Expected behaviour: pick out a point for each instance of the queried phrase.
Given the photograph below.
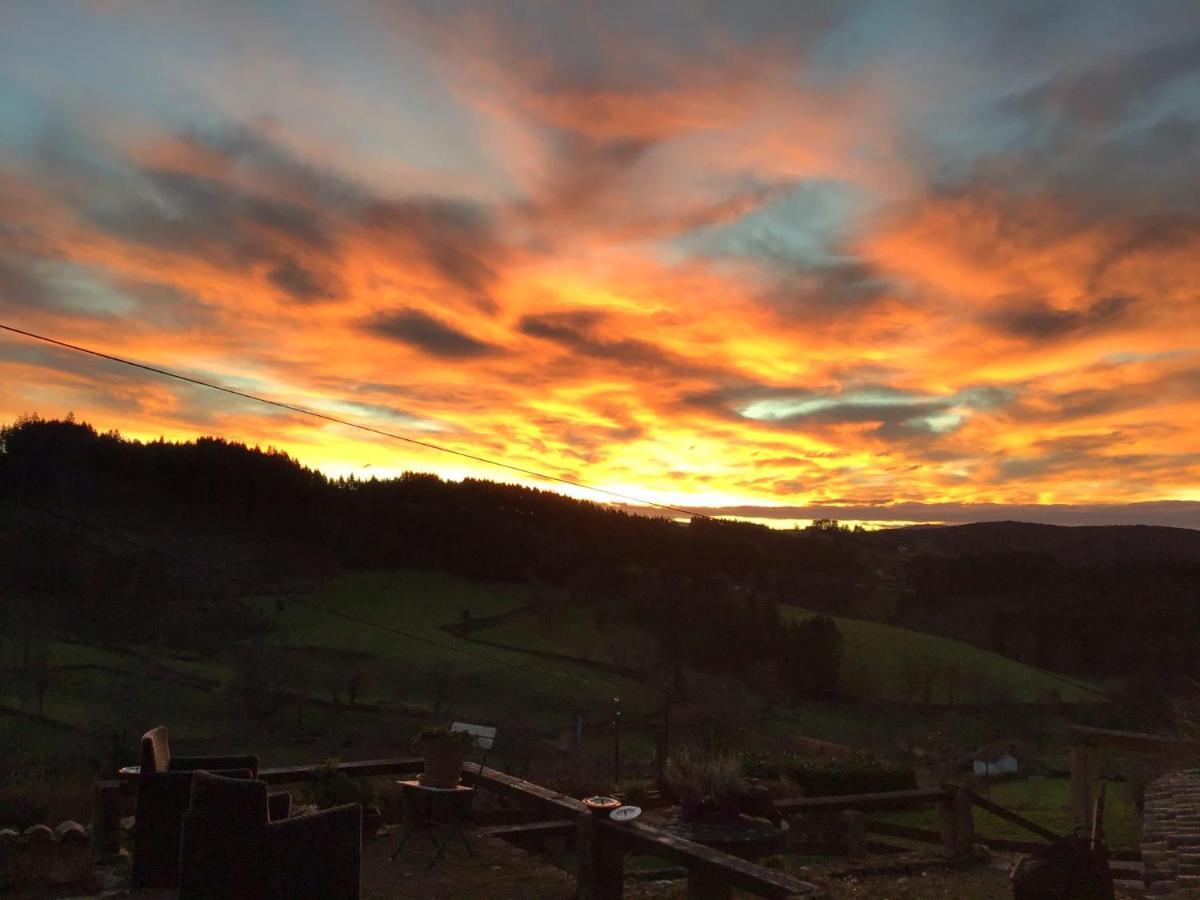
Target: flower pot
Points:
(443, 762)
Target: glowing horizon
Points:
(811, 255)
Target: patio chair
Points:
(230, 849)
(163, 792)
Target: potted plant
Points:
(444, 751)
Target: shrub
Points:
(831, 776)
(694, 776)
(330, 787)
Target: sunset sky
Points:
(858, 256)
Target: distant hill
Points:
(1118, 602)
(1085, 545)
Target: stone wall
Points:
(1171, 835)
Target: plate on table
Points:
(625, 813)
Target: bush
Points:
(330, 787)
(694, 776)
(832, 776)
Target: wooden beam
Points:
(367, 768)
(527, 790)
(1135, 741)
(1009, 816)
(715, 865)
(863, 802)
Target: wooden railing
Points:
(600, 844)
(600, 847)
(1085, 761)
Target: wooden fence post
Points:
(1085, 783)
(855, 823)
(106, 819)
(599, 862)
(958, 823)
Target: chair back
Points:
(156, 751)
(482, 736)
(239, 802)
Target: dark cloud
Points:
(828, 289)
(1106, 92)
(1096, 454)
(197, 215)
(456, 238)
(301, 284)
(585, 170)
(1039, 321)
(1182, 385)
(262, 208)
(578, 331)
(20, 286)
(417, 329)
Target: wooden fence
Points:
(1086, 744)
(601, 845)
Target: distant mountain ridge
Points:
(1080, 545)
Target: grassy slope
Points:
(484, 681)
(874, 662)
(419, 604)
(876, 656)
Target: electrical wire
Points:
(429, 445)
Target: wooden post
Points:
(958, 823)
(855, 823)
(106, 820)
(617, 742)
(1098, 818)
(599, 863)
(704, 886)
(1085, 783)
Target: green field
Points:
(390, 625)
(494, 683)
(883, 662)
(416, 671)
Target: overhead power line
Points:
(429, 445)
(158, 370)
